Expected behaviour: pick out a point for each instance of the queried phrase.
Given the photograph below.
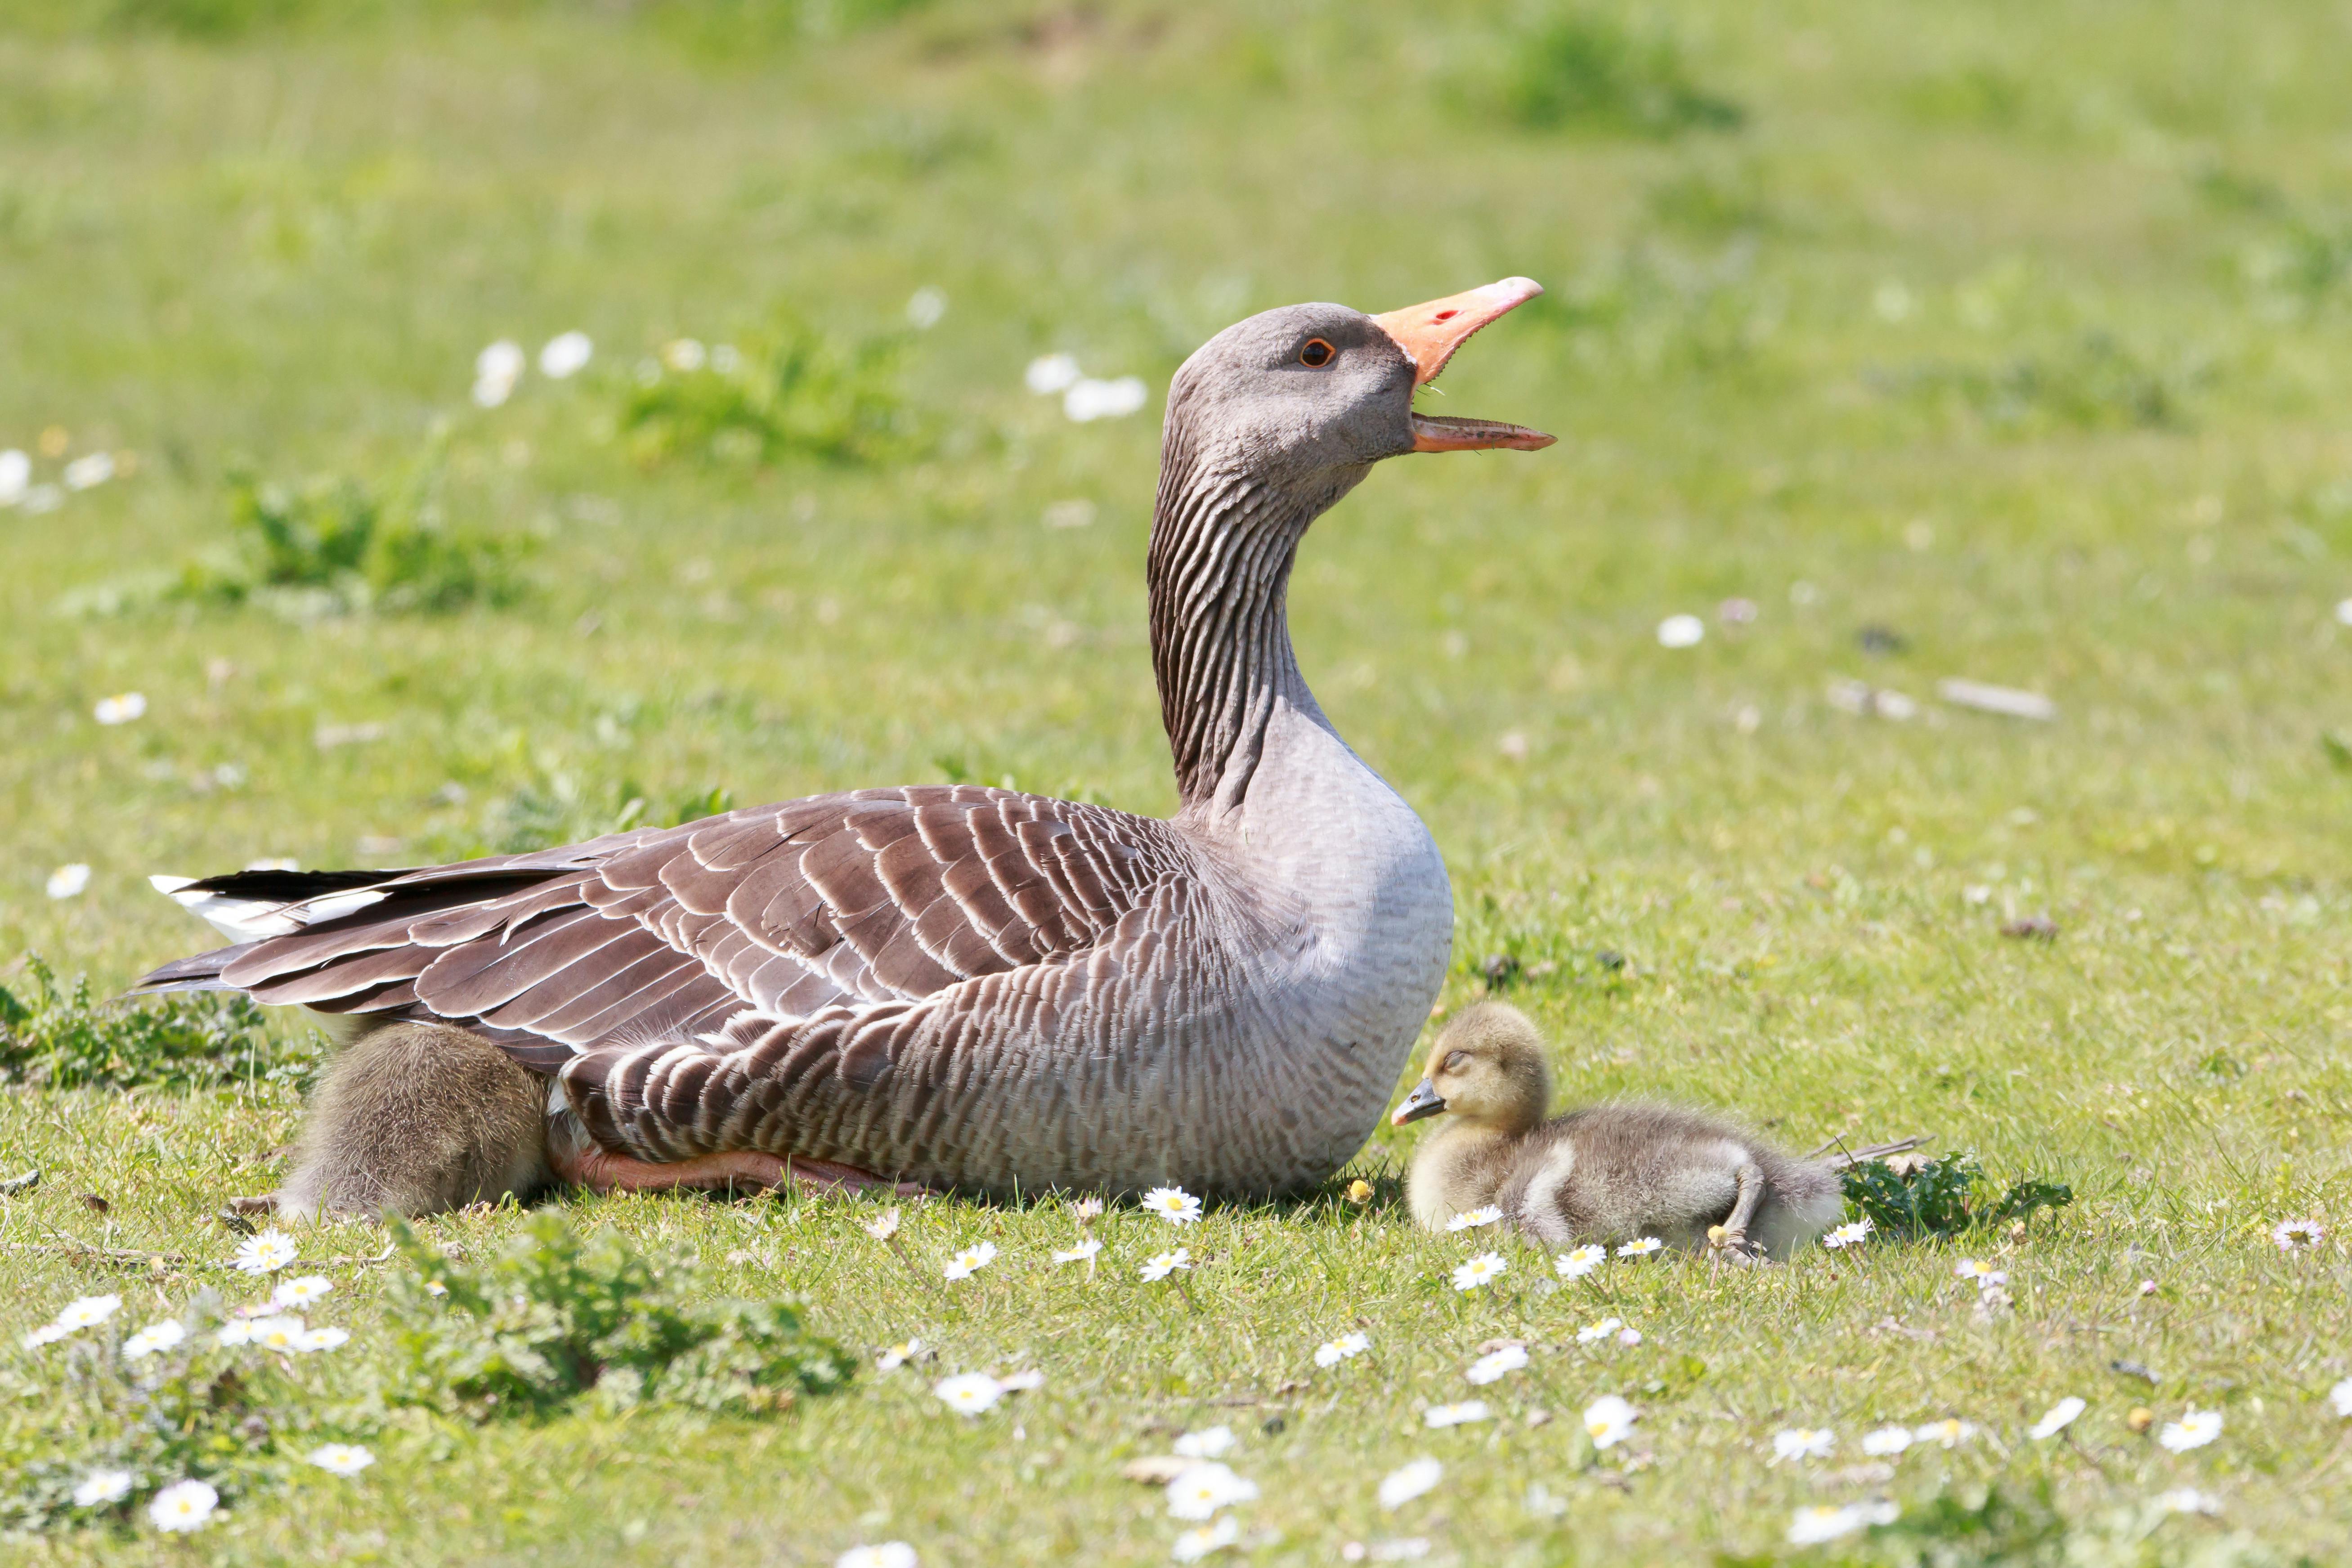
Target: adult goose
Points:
(976, 988)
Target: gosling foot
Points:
(1726, 1244)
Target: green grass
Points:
(2022, 331)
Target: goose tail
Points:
(249, 907)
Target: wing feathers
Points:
(827, 917)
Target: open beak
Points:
(1424, 1100)
(1430, 333)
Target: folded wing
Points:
(874, 896)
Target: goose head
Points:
(1305, 398)
(1486, 1067)
(1268, 423)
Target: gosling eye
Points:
(1317, 352)
(1454, 1062)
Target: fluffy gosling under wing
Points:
(1607, 1173)
(415, 1119)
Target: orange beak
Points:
(1430, 333)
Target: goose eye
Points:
(1455, 1061)
(1315, 353)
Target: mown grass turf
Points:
(2017, 333)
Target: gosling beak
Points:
(1430, 333)
(1424, 1100)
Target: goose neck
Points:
(1223, 542)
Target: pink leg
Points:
(593, 1168)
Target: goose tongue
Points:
(1430, 333)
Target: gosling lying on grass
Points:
(415, 1119)
(1608, 1173)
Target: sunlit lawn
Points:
(2001, 342)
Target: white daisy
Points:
(2193, 1430)
(278, 1335)
(1822, 1522)
(1575, 1265)
(1474, 1218)
(969, 1393)
(1642, 1249)
(2057, 1419)
(1853, 1232)
(2188, 1499)
(68, 881)
(1402, 1484)
(1173, 1205)
(1082, 1253)
(884, 1225)
(234, 1334)
(496, 369)
(1495, 1364)
(1886, 1442)
(102, 1487)
(565, 354)
(2340, 1396)
(265, 1254)
(1609, 1420)
(1681, 631)
(1197, 1543)
(970, 1260)
(1592, 1333)
(1949, 1432)
(899, 1355)
(1022, 1382)
(311, 1339)
(15, 475)
(342, 1458)
(1984, 1274)
(1210, 1443)
(46, 1334)
(1802, 1443)
(1461, 1415)
(1162, 1265)
(1629, 1337)
(88, 472)
(120, 709)
(1089, 399)
(685, 354)
(1050, 373)
(303, 1292)
(2297, 1234)
(1483, 1269)
(502, 361)
(1331, 1352)
(87, 1312)
(924, 308)
(1203, 1489)
(182, 1506)
(1086, 1210)
(889, 1555)
(155, 1337)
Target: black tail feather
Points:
(276, 887)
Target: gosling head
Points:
(1488, 1067)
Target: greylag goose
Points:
(976, 988)
(1608, 1173)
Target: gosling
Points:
(1608, 1173)
(415, 1119)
